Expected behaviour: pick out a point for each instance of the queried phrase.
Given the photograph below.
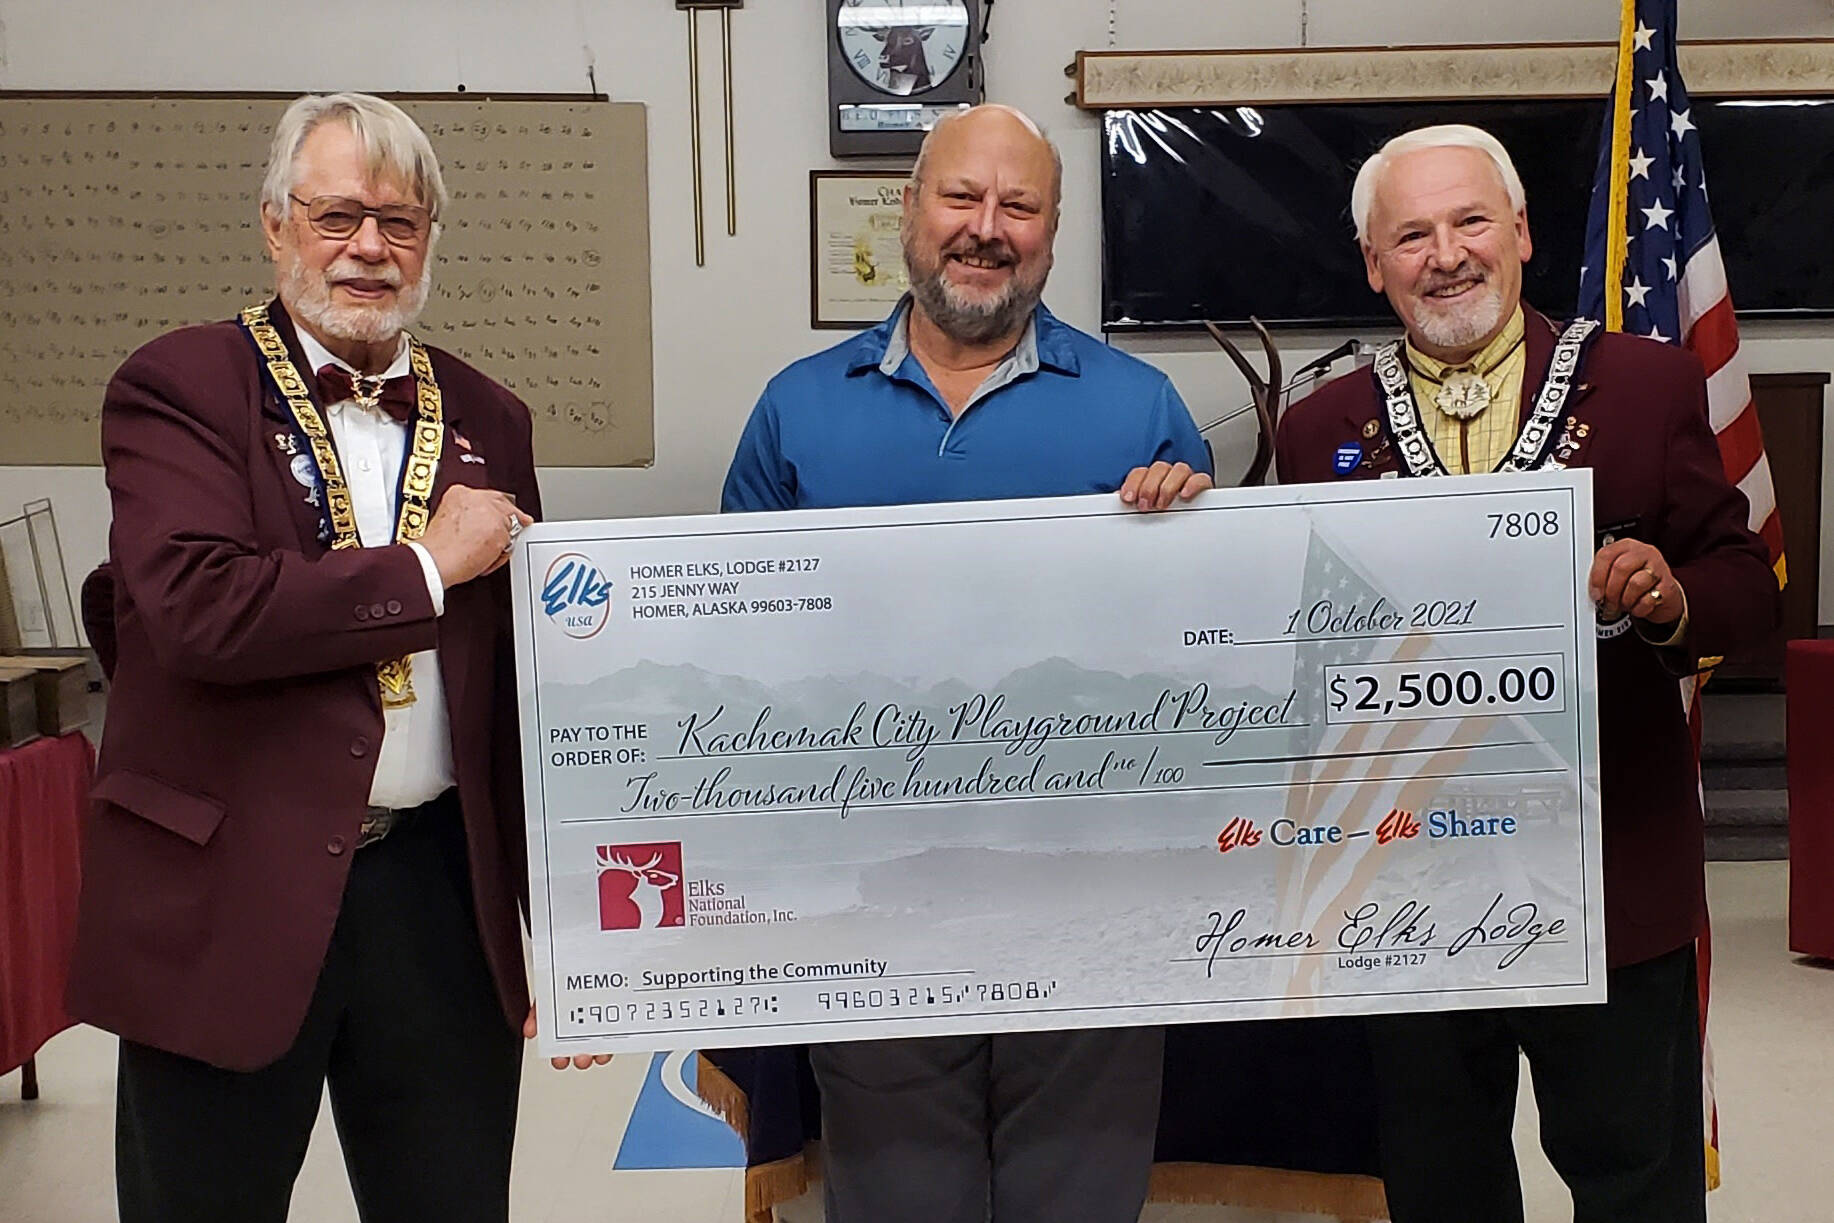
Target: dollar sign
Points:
(1338, 697)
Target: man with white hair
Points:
(973, 390)
(305, 856)
(1482, 383)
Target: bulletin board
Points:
(125, 216)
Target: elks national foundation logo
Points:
(576, 596)
(640, 886)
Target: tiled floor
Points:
(1773, 1035)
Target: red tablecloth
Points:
(44, 787)
(1810, 679)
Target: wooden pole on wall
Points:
(700, 221)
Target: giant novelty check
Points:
(981, 767)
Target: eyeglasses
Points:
(339, 217)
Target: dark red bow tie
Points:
(335, 385)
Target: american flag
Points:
(1310, 890)
(1653, 268)
(1651, 194)
(1353, 773)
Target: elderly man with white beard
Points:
(1483, 383)
(304, 863)
(973, 390)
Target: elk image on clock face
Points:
(903, 65)
(901, 48)
(897, 67)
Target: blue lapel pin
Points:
(1347, 457)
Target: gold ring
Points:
(1655, 596)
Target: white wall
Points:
(721, 331)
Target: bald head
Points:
(992, 131)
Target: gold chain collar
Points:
(394, 676)
(1415, 449)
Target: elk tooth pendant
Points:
(1463, 395)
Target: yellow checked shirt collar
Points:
(1474, 442)
(1487, 362)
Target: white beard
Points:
(308, 297)
(1463, 325)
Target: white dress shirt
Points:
(415, 760)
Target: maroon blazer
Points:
(244, 718)
(1658, 473)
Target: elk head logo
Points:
(640, 886)
(904, 60)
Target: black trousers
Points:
(406, 1029)
(1617, 1086)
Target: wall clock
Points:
(895, 67)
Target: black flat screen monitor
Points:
(1224, 213)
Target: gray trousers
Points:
(1030, 1127)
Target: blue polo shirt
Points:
(862, 424)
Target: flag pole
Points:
(1617, 240)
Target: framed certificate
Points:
(856, 262)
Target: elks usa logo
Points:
(640, 886)
(576, 596)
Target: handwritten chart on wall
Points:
(123, 217)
